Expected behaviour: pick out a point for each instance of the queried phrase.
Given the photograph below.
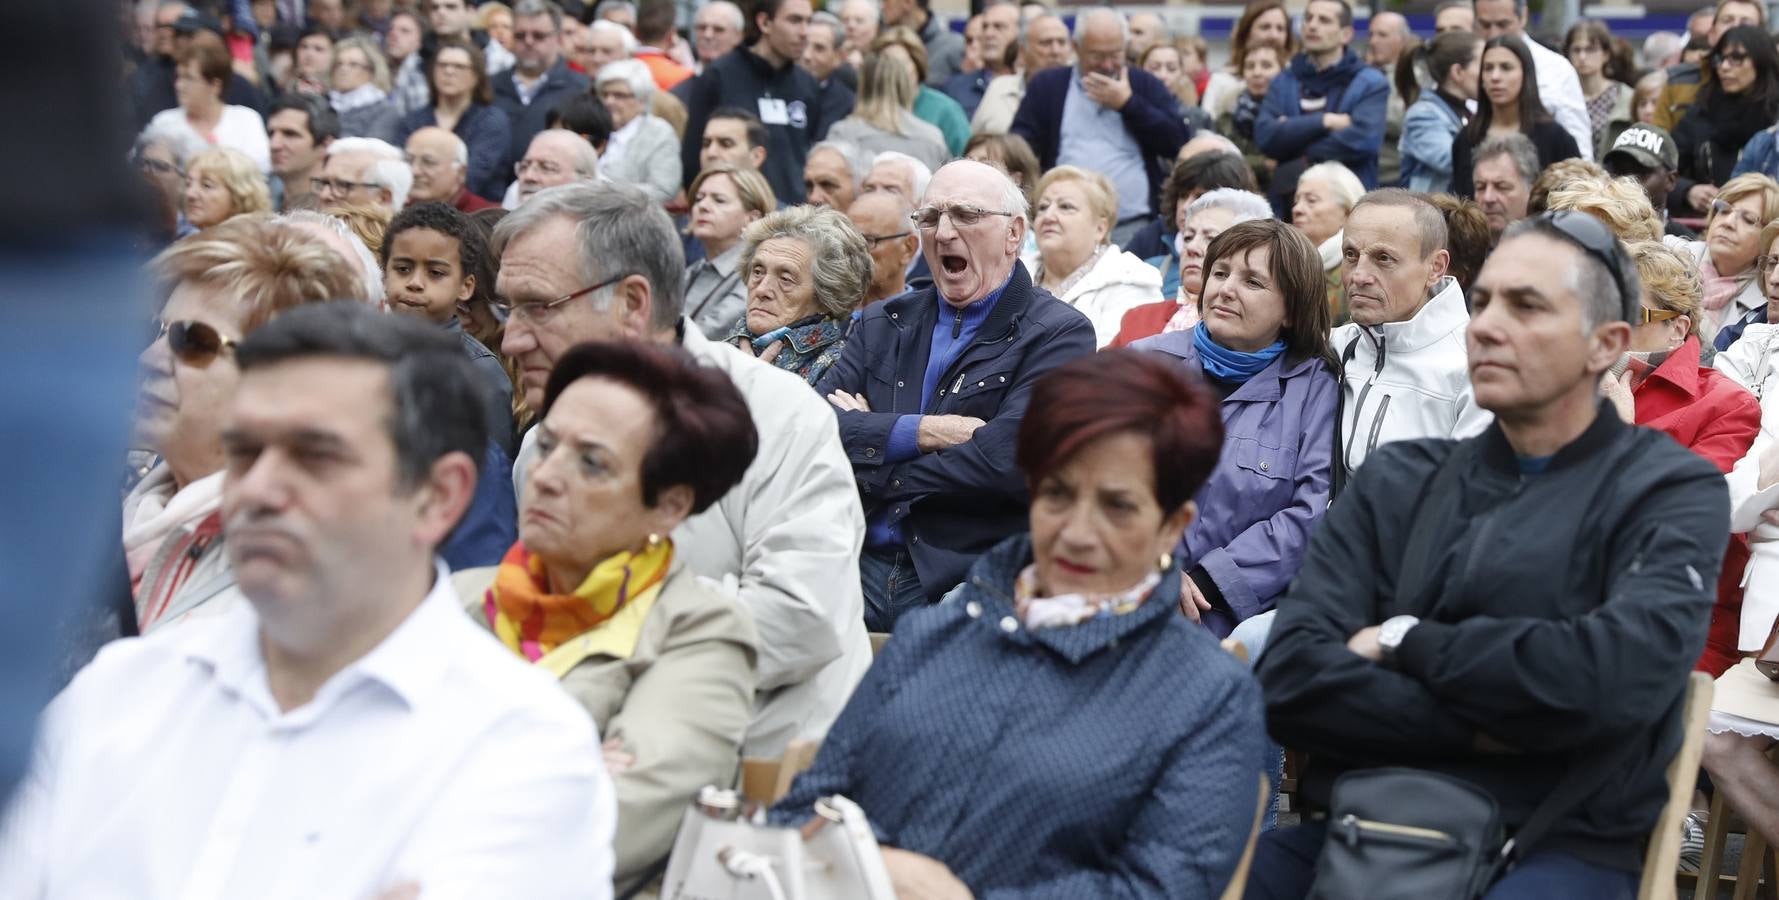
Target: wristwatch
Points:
(1391, 633)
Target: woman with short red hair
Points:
(1057, 729)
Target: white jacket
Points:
(785, 541)
(1753, 361)
(1118, 281)
(1406, 380)
(1560, 90)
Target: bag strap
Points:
(1338, 478)
(1587, 774)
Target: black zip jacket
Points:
(742, 78)
(1560, 615)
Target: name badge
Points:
(773, 112)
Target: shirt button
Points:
(1009, 624)
(973, 609)
(898, 384)
(895, 482)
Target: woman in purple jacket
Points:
(1262, 345)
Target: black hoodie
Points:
(743, 79)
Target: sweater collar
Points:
(1607, 427)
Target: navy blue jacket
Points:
(952, 505)
(491, 524)
(1117, 758)
(1149, 116)
(1284, 132)
(526, 121)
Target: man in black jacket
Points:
(932, 387)
(540, 78)
(762, 76)
(1542, 624)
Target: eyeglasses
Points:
(535, 37)
(540, 312)
(1646, 315)
(338, 186)
(878, 239)
(543, 167)
(159, 167)
(963, 215)
(1723, 208)
(193, 343)
(1732, 58)
(1765, 264)
(1590, 235)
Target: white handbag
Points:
(725, 852)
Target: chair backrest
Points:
(1239, 881)
(878, 639)
(765, 781)
(1663, 854)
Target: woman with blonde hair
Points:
(1619, 202)
(366, 221)
(726, 199)
(220, 184)
(931, 106)
(360, 79)
(1076, 259)
(1728, 254)
(883, 119)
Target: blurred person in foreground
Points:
(348, 715)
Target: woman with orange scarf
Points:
(633, 440)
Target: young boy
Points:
(431, 253)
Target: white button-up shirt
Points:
(167, 770)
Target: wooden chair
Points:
(1663, 853)
(1757, 856)
(878, 639)
(1239, 881)
(765, 781)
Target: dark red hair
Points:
(1118, 391)
(704, 435)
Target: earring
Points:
(654, 539)
(1165, 563)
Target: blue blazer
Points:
(1149, 116)
(952, 505)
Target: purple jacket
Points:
(1270, 487)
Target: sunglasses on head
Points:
(193, 343)
(1592, 237)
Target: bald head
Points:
(1387, 34)
(556, 156)
(440, 161)
(882, 217)
(971, 259)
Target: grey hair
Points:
(175, 136)
(586, 159)
(529, 9)
(1013, 199)
(1246, 206)
(841, 260)
(616, 225)
(388, 169)
(1429, 221)
(739, 17)
(372, 55)
(922, 174)
(1081, 22)
(1591, 281)
(831, 22)
(856, 161)
(1346, 186)
(633, 72)
(875, 5)
(600, 10)
(1516, 147)
(630, 44)
(371, 271)
(1213, 139)
(1660, 46)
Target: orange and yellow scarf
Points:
(532, 622)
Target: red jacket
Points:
(1716, 418)
(1144, 321)
(469, 203)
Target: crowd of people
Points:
(549, 402)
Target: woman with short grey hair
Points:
(360, 95)
(806, 269)
(643, 148)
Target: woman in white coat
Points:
(1076, 260)
(1753, 362)
(643, 149)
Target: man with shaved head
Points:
(556, 156)
(440, 161)
(1105, 116)
(882, 218)
(931, 442)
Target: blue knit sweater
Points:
(1116, 758)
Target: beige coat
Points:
(679, 702)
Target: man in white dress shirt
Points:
(348, 732)
(1558, 85)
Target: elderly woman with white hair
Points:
(360, 79)
(1202, 220)
(643, 148)
(806, 269)
(1326, 193)
(1076, 260)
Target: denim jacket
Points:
(1270, 487)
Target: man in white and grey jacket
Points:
(1403, 355)
(785, 540)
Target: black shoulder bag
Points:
(1410, 834)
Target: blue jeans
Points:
(1285, 868)
(892, 587)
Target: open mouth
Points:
(953, 265)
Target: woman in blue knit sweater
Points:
(1058, 729)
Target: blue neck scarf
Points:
(1228, 365)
